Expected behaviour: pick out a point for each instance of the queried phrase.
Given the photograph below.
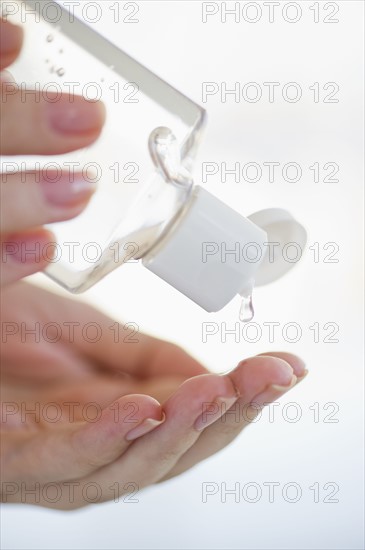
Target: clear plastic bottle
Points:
(146, 205)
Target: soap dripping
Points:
(247, 312)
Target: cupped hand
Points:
(42, 124)
(114, 411)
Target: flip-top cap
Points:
(214, 253)
(286, 239)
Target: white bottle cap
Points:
(286, 238)
(214, 253)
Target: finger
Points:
(160, 387)
(153, 455)
(145, 358)
(122, 347)
(103, 390)
(53, 197)
(23, 254)
(108, 388)
(259, 381)
(33, 352)
(33, 122)
(11, 38)
(294, 361)
(30, 354)
(77, 449)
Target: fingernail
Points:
(32, 247)
(270, 393)
(300, 378)
(144, 427)
(75, 115)
(212, 411)
(67, 190)
(10, 38)
(6, 78)
(278, 387)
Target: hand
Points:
(38, 125)
(74, 460)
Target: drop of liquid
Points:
(61, 72)
(246, 310)
(50, 38)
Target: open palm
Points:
(111, 413)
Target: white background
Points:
(171, 39)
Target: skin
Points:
(190, 409)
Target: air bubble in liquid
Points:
(165, 153)
(60, 72)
